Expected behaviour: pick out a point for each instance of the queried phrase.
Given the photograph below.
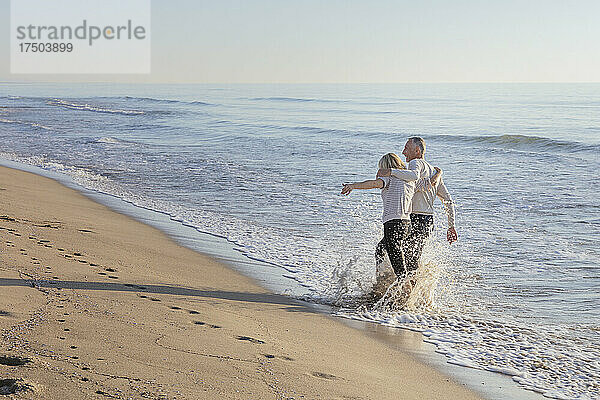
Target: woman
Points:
(397, 193)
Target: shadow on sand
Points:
(264, 298)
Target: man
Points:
(422, 204)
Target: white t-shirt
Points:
(422, 201)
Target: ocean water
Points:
(262, 165)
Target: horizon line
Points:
(293, 83)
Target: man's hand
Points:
(347, 188)
(384, 172)
(452, 236)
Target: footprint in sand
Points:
(323, 375)
(209, 325)
(249, 339)
(111, 270)
(149, 298)
(12, 386)
(282, 357)
(131, 285)
(55, 226)
(13, 361)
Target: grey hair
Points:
(419, 142)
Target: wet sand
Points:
(97, 305)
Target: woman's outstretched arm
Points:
(369, 184)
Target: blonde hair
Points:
(391, 161)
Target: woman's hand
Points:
(347, 188)
(368, 184)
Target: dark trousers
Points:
(395, 233)
(421, 228)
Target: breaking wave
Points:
(92, 108)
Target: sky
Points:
(308, 41)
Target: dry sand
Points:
(96, 305)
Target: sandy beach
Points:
(97, 305)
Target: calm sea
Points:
(262, 165)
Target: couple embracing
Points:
(408, 195)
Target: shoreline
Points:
(97, 303)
